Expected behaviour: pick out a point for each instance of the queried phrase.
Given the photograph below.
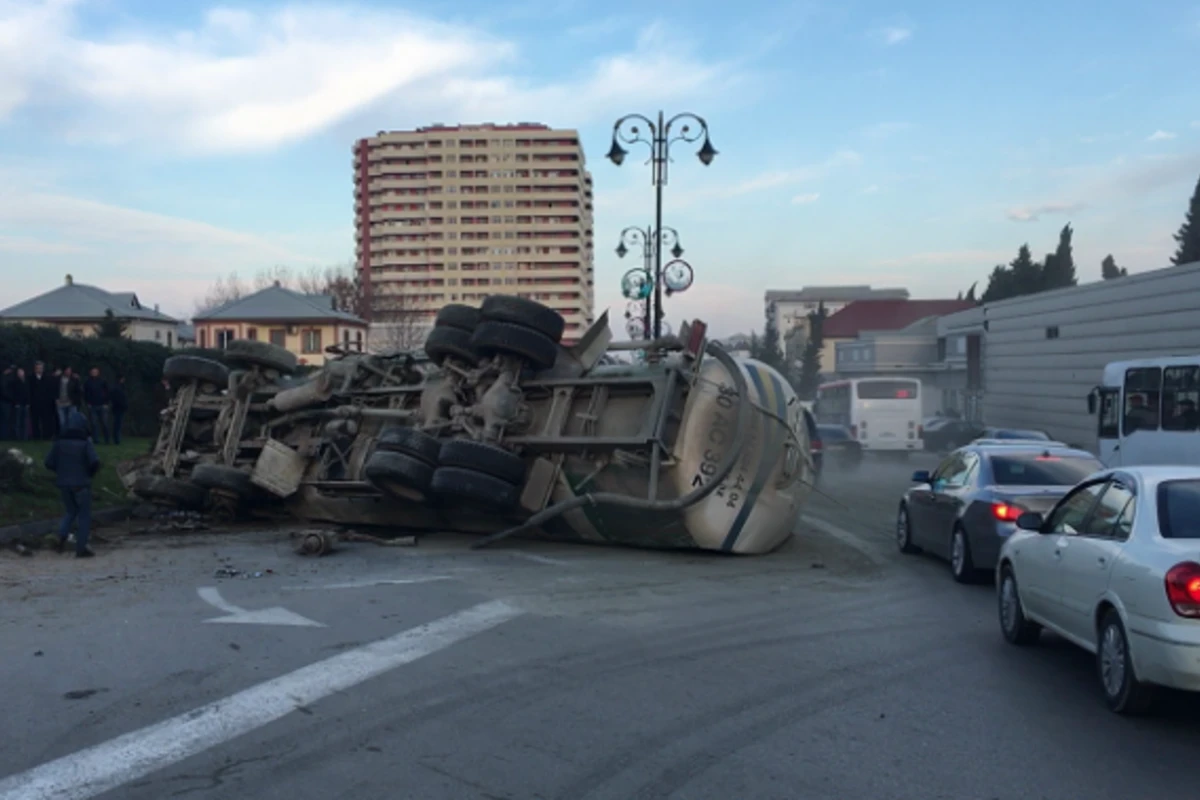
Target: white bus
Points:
(1148, 412)
(883, 414)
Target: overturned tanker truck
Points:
(496, 428)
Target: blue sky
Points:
(153, 146)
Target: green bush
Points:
(140, 362)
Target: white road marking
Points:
(845, 537)
(241, 616)
(363, 584)
(558, 562)
(127, 758)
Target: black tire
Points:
(524, 312)
(964, 571)
(385, 469)
(410, 442)
(904, 532)
(1129, 695)
(1017, 629)
(162, 489)
(446, 342)
(475, 487)
(261, 354)
(481, 457)
(505, 337)
(196, 368)
(223, 478)
(457, 315)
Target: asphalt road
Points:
(836, 668)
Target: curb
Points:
(40, 527)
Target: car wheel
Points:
(196, 368)
(527, 313)
(161, 489)
(1016, 628)
(251, 352)
(539, 351)
(1123, 692)
(409, 441)
(962, 566)
(445, 342)
(904, 532)
(385, 470)
(457, 315)
(482, 457)
(223, 478)
(478, 488)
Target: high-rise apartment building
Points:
(447, 214)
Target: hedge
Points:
(140, 362)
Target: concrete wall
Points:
(1042, 354)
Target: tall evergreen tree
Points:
(971, 293)
(1059, 268)
(110, 327)
(1110, 270)
(810, 362)
(772, 351)
(1188, 237)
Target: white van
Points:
(1147, 412)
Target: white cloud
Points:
(805, 199)
(1160, 136)
(944, 258)
(30, 245)
(872, 189)
(1034, 213)
(1196, 123)
(894, 34)
(249, 80)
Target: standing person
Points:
(41, 402)
(20, 391)
(118, 401)
(67, 396)
(74, 462)
(6, 401)
(95, 395)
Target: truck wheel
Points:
(524, 312)
(410, 442)
(477, 488)
(450, 342)
(482, 457)
(223, 478)
(385, 469)
(261, 354)
(457, 315)
(195, 368)
(517, 340)
(162, 489)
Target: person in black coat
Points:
(7, 396)
(20, 395)
(74, 462)
(42, 392)
(95, 395)
(118, 403)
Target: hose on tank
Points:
(740, 427)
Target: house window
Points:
(224, 337)
(170, 339)
(358, 340)
(158, 336)
(252, 334)
(77, 333)
(278, 337)
(203, 338)
(310, 340)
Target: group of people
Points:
(37, 404)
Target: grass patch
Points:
(40, 500)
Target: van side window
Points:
(1110, 413)
(1181, 395)
(1143, 392)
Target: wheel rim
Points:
(1112, 660)
(902, 527)
(1009, 604)
(958, 551)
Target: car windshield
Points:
(1030, 469)
(833, 432)
(1179, 509)
(1012, 433)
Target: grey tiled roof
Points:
(276, 303)
(78, 301)
(813, 294)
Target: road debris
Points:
(316, 543)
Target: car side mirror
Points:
(1092, 403)
(921, 476)
(1030, 521)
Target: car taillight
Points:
(1183, 588)
(1005, 512)
(817, 445)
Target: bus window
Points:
(1142, 397)
(1181, 393)
(1110, 413)
(887, 390)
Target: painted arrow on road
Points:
(241, 616)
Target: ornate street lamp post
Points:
(638, 284)
(662, 134)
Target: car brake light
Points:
(817, 445)
(1183, 588)
(1005, 512)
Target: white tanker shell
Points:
(756, 507)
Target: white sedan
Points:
(1115, 568)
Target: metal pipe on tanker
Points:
(741, 387)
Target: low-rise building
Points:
(789, 308)
(304, 324)
(77, 309)
(874, 318)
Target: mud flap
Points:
(279, 469)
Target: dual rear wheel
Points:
(502, 325)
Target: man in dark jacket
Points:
(118, 402)
(67, 395)
(20, 394)
(42, 391)
(74, 462)
(7, 398)
(95, 395)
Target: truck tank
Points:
(752, 510)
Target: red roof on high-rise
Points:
(886, 315)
